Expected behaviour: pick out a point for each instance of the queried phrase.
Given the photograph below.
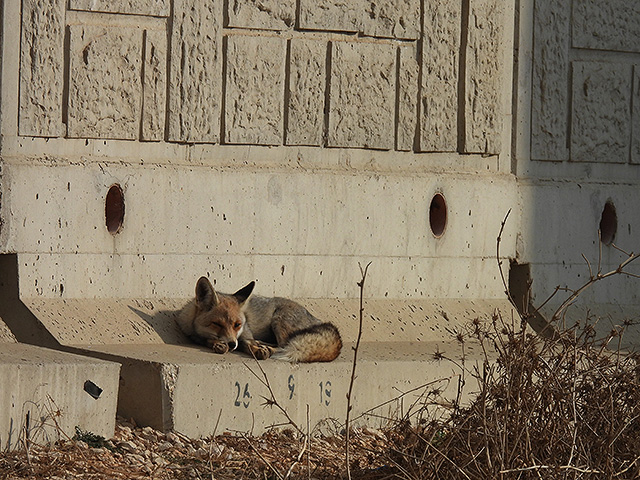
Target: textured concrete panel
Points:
(407, 97)
(387, 18)
(154, 86)
(601, 116)
(391, 18)
(483, 77)
(440, 65)
(362, 95)
(307, 82)
(635, 117)
(333, 15)
(550, 91)
(254, 96)
(156, 8)
(262, 14)
(606, 25)
(195, 88)
(104, 82)
(41, 68)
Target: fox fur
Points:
(260, 326)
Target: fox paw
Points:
(260, 351)
(220, 347)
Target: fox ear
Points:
(206, 296)
(242, 294)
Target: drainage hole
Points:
(114, 209)
(608, 223)
(438, 215)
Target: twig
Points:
(353, 369)
(273, 402)
(261, 457)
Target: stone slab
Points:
(606, 25)
(440, 72)
(52, 393)
(483, 78)
(408, 79)
(254, 95)
(550, 89)
(195, 87)
(307, 85)
(362, 95)
(601, 112)
(194, 391)
(41, 68)
(154, 85)
(5, 334)
(156, 8)
(261, 14)
(105, 92)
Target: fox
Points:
(262, 327)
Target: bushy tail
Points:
(318, 343)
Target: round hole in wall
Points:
(114, 209)
(438, 215)
(608, 223)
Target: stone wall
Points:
(399, 75)
(585, 83)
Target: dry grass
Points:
(547, 409)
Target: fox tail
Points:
(318, 343)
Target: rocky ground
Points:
(143, 453)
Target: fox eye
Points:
(237, 325)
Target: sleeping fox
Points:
(255, 324)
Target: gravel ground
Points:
(142, 453)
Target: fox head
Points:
(220, 318)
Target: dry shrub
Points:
(567, 407)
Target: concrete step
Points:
(168, 383)
(45, 394)
(196, 392)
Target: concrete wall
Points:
(577, 138)
(277, 141)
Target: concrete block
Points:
(601, 112)
(362, 95)
(606, 25)
(41, 68)
(408, 79)
(193, 391)
(52, 393)
(483, 78)
(440, 65)
(156, 8)
(550, 89)
(5, 334)
(391, 19)
(307, 84)
(195, 87)
(254, 95)
(105, 94)
(332, 15)
(154, 85)
(265, 15)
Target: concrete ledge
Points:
(196, 392)
(45, 394)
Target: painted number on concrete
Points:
(325, 392)
(243, 397)
(292, 386)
